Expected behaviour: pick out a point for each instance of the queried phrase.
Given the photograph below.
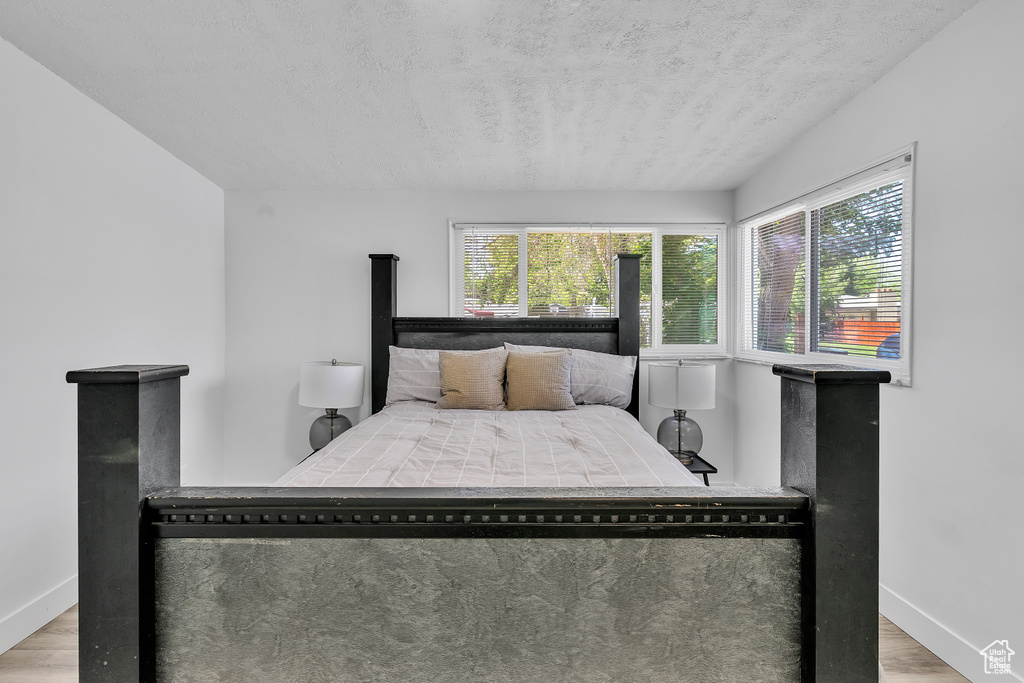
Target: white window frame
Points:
(719, 230)
(898, 165)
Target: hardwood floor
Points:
(907, 661)
(50, 655)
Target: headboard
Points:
(619, 335)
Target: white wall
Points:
(298, 289)
(111, 251)
(952, 471)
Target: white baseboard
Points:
(19, 625)
(946, 645)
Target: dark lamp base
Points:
(681, 436)
(326, 428)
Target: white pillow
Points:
(413, 375)
(596, 378)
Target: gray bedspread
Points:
(415, 444)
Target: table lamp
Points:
(330, 385)
(681, 387)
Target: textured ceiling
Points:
(473, 94)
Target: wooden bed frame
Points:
(464, 585)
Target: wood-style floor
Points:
(904, 659)
(50, 655)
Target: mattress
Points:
(414, 444)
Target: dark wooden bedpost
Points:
(383, 309)
(627, 309)
(128, 447)
(830, 453)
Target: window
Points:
(558, 270)
(826, 276)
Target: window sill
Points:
(682, 355)
(900, 378)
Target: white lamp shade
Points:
(689, 386)
(325, 385)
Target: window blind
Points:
(689, 289)
(858, 242)
(573, 272)
(777, 296)
(490, 274)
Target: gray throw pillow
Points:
(413, 375)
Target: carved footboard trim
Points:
(436, 513)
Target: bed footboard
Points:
(686, 584)
(658, 596)
(471, 610)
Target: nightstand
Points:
(702, 466)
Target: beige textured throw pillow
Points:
(539, 381)
(597, 378)
(473, 380)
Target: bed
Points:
(415, 444)
(501, 575)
